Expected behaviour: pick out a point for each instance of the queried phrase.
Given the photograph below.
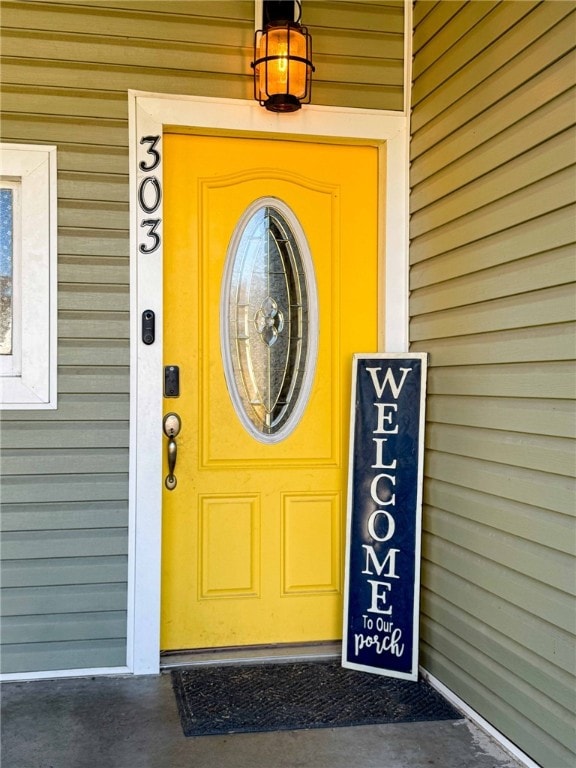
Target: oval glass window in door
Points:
(269, 320)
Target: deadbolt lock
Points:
(172, 425)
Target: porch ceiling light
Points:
(282, 63)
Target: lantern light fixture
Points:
(282, 59)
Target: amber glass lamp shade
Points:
(282, 66)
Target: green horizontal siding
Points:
(77, 626)
(504, 481)
(495, 614)
(493, 192)
(541, 453)
(101, 325)
(552, 531)
(80, 407)
(545, 675)
(79, 654)
(80, 460)
(546, 417)
(549, 305)
(64, 487)
(535, 236)
(540, 163)
(65, 517)
(41, 572)
(66, 67)
(80, 598)
(358, 53)
(549, 194)
(48, 544)
(545, 343)
(513, 52)
(555, 267)
(117, 20)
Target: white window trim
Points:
(32, 383)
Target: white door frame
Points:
(150, 114)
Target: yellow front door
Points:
(252, 547)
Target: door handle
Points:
(171, 426)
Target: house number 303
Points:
(150, 194)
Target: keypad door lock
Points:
(171, 381)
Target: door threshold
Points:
(251, 654)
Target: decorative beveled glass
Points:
(269, 320)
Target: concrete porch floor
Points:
(133, 723)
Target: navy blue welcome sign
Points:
(382, 590)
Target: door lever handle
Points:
(171, 426)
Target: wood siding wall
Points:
(493, 302)
(66, 68)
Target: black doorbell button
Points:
(148, 331)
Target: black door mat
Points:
(289, 696)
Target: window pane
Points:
(267, 313)
(6, 269)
